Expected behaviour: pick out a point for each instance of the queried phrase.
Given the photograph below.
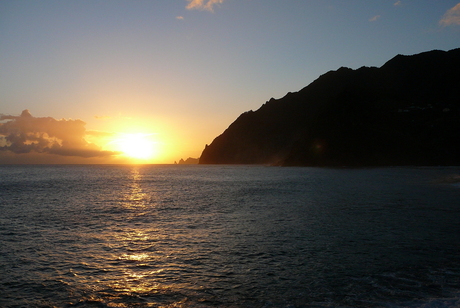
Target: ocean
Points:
(229, 236)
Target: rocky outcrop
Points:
(406, 112)
(188, 161)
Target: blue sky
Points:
(183, 70)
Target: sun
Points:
(137, 146)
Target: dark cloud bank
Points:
(29, 134)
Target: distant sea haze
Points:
(228, 236)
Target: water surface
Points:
(229, 236)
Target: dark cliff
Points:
(406, 112)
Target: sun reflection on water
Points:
(140, 264)
(134, 257)
(135, 196)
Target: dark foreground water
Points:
(229, 236)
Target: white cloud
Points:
(397, 3)
(451, 17)
(203, 4)
(180, 17)
(374, 18)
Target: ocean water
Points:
(229, 236)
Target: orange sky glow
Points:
(37, 140)
(151, 82)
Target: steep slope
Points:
(405, 113)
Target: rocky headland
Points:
(406, 112)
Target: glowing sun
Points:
(137, 146)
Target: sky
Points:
(154, 81)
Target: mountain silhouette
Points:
(406, 112)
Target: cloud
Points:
(451, 17)
(97, 133)
(180, 17)
(203, 4)
(374, 18)
(397, 3)
(98, 117)
(28, 134)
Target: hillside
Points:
(406, 112)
